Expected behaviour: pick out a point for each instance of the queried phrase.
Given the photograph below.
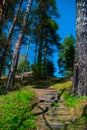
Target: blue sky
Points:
(67, 22)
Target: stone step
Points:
(43, 99)
(49, 90)
(57, 113)
(59, 119)
(46, 104)
(57, 126)
(50, 93)
(58, 108)
(54, 126)
(61, 101)
(62, 126)
(50, 96)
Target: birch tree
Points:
(16, 52)
(8, 42)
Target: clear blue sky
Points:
(67, 22)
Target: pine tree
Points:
(66, 56)
(45, 32)
(80, 65)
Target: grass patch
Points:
(71, 101)
(63, 87)
(15, 110)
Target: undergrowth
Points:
(15, 110)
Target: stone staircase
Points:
(53, 113)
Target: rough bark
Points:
(1, 14)
(80, 65)
(15, 57)
(1, 10)
(8, 42)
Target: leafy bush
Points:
(38, 71)
(15, 111)
(42, 71)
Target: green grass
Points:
(60, 86)
(72, 101)
(15, 110)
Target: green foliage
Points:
(49, 68)
(66, 56)
(15, 111)
(23, 65)
(9, 53)
(42, 71)
(38, 71)
(45, 29)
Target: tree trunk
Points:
(40, 54)
(13, 67)
(36, 50)
(80, 65)
(1, 14)
(8, 42)
(40, 49)
(45, 53)
(22, 74)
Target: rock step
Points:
(60, 108)
(45, 104)
(50, 93)
(54, 125)
(66, 126)
(59, 118)
(61, 101)
(47, 96)
(43, 99)
(49, 90)
(57, 113)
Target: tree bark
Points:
(40, 53)
(8, 42)
(13, 67)
(80, 65)
(1, 14)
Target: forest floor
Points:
(54, 108)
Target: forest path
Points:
(52, 112)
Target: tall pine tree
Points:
(80, 65)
